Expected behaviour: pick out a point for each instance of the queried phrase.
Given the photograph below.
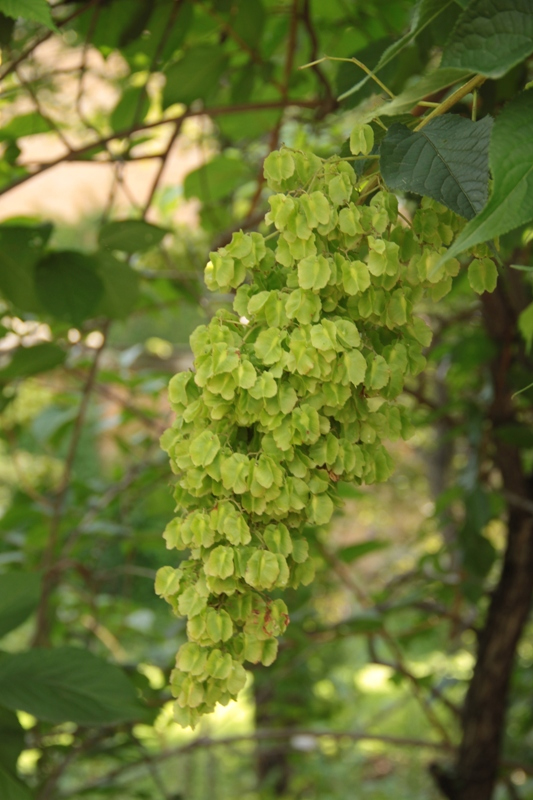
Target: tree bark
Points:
(483, 723)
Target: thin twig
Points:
(163, 162)
(49, 573)
(308, 24)
(216, 111)
(265, 735)
(359, 64)
(11, 67)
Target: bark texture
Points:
(483, 723)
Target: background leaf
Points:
(32, 360)
(67, 684)
(35, 10)
(491, 36)
(130, 235)
(11, 788)
(121, 287)
(447, 160)
(24, 125)
(216, 179)
(68, 285)
(425, 13)
(196, 75)
(19, 595)
(418, 90)
(21, 247)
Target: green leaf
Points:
(426, 12)
(34, 10)
(320, 509)
(490, 37)
(216, 180)
(11, 788)
(195, 76)
(525, 325)
(425, 86)
(21, 246)
(278, 166)
(11, 740)
(204, 448)
(130, 109)
(355, 551)
(220, 562)
(313, 273)
(355, 276)
(67, 684)
(356, 366)
(482, 275)
(121, 287)
(447, 160)
(268, 345)
(361, 140)
(24, 125)
(367, 622)
(130, 235)
(68, 285)
(249, 21)
(19, 596)
(262, 570)
(27, 361)
(511, 163)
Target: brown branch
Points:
(163, 162)
(105, 391)
(264, 735)
(26, 84)
(365, 600)
(49, 572)
(273, 141)
(11, 67)
(331, 102)
(216, 111)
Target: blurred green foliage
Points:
(95, 318)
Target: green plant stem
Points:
(454, 98)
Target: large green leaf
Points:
(130, 235)
(19, 595)
(11, 788)
(491, 36)
(196, 76)
(426, 12)
(130, 109)
(121, 287)
(20, 248)
(216, 179)
(11, 740)
(511, 163)
(35, 10)
(67, 684)
(425, 86)
(27, 361)
(355, 551)
(68, 285)
(447, 160)
(249, 21)
(24, 125)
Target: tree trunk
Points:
(475, 773)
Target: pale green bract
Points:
(292, 392)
